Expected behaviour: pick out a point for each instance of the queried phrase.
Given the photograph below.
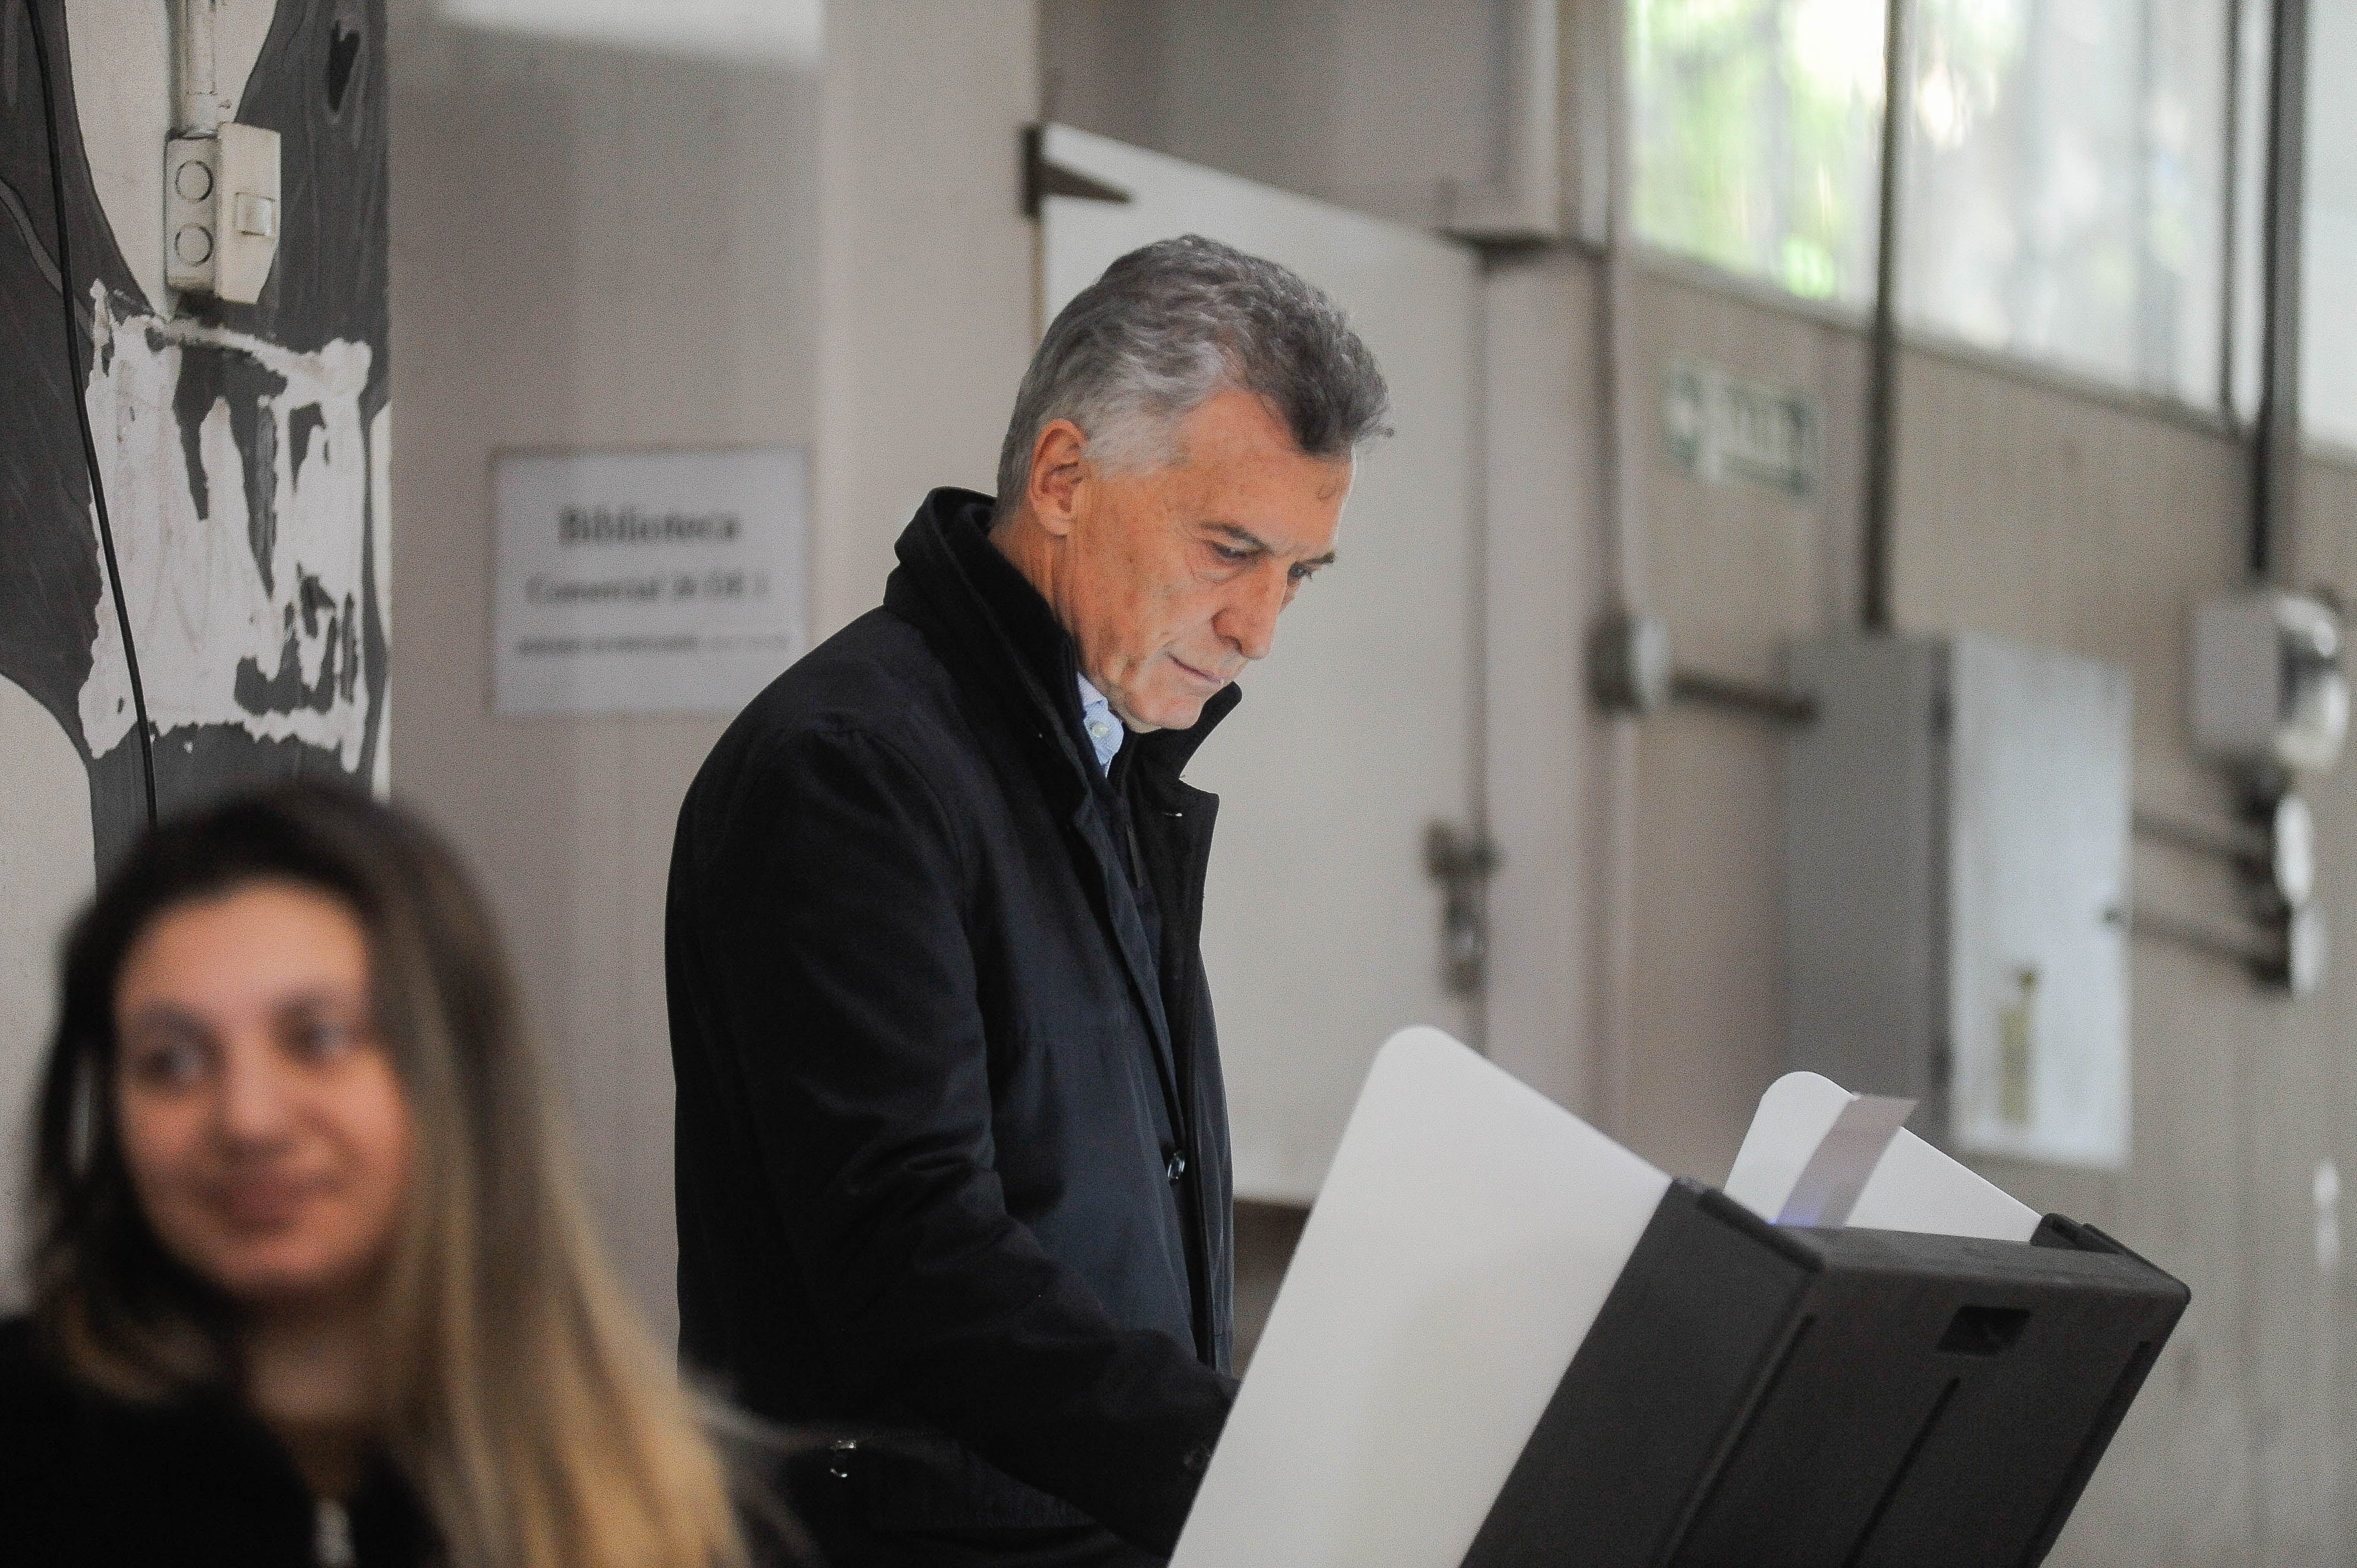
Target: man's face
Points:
(1172, 577)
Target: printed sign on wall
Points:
(648, 582)
(1723, 428)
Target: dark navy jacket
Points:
(953, 1149)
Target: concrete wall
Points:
(927, 310)
(2031, 510)
(600, 247)
(2095, 528)
(1394, 107)
(1544, 752)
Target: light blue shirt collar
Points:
(1106, 730)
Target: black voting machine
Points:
(1779, 1397)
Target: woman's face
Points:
(266, 1131)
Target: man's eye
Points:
(1230, 555)
(1301, 574)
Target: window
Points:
(2328, 376)
(2063, 191)
(2065, 184)
(1755, 129)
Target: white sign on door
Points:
(648, 582)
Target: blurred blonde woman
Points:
(311, 1283)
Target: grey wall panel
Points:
(44, 873)
(241, 447)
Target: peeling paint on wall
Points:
(246, 466)
(242, 447)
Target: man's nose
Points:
(1248, 622)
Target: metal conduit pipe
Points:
(1882, 377)
(2275, 458)
(1615, 853)
(198, 102)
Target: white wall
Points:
(595, 246)
(1543, 570)
(45, 863)
(2083, 523)
(927, 312)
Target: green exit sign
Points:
(1723, 429)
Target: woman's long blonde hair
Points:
(525, 1403)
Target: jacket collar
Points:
(1002, 631)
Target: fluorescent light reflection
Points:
(787, 31)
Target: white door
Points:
(1321, 931)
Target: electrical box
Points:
(2269, 693)
(221, 211)
(1957, 890)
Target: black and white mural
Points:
(244, 449)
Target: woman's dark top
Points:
(86, 1478)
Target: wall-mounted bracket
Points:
(2275, 852)
(1771, 704)
(1629, 666)
(1631, 669)
(2292, 958)
(1043, 178)
(1462, 860)
(2273, 860)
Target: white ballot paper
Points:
(1913, 1188)
(1466, 1236)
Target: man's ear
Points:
(1058, 463)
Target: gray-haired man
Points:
(953, 1145)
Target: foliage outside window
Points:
(1754, 137)
(2328, 275)
(2063, 184)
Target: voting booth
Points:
(1506, 1341)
